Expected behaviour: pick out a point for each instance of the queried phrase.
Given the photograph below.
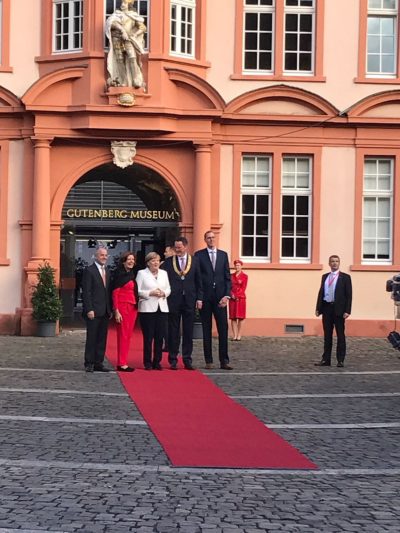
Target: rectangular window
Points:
(67, 25)
(296, 208)
(256, 201)
(279, 37)
(1, 31)
(377, 210)
(141, 7)
(259, 20)
(299, 36)
(183, 27)
(382, 38)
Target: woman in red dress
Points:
(125, 309)
(237, 302)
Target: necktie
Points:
(182, 263)
(213, 259)
(103, 274)
(331, 279)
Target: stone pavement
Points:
(76, 456)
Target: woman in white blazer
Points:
(153, 289)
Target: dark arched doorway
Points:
(124, 209)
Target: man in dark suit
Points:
(96, 296)
(334, 303)
(186, 295)
(216, 280)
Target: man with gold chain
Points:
(186, 295)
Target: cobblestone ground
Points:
(76, 456)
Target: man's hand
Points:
(199, 304)
(317, 313)
(346, 315)
(223, 301)
(90, 315)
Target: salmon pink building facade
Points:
(275, 123)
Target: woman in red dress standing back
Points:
(237, 302)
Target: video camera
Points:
(393, 286)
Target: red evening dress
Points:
(237, 303)
(124, 300)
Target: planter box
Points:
(197, 330)
(46, 329)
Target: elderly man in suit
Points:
(216, 281)
(97, 309)
(334, 304)
(186, 295)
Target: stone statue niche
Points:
(125, 31)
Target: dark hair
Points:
(207, 232)
(124, 256)
(182, 239)
(334, 256)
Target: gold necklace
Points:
(181, 273)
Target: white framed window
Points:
(256, 190)
(1, 31)
(142, 7)
(258, 36)
(67, 25)
(382, 38)
(183, 14)
(299, 36)
(296, 202)
(377, 241)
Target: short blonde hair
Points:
(150, 256)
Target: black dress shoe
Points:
(226, 367)
(148, 368)
(189, 367)
(173, 367)
(157, 367)
(89, 368)
(340, 364)
(100, 368)
(125, 369)
(323, 363)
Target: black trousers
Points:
(96, 338)
(153, 330)
(184, 314)
(211, 308)
(329, 321)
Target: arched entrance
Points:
(124, 209)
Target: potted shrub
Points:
(46, 303)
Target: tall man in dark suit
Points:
(97, 308)
(186, 295)
(334, 303)
(216, 279)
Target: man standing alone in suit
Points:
(96, 297)
(186, 295)
(334, 303)
(216, 281)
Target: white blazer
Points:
(146, 282)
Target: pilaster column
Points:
(202, 195)
(41, 201)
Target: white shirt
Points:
(330, 286)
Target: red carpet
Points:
(197, 424)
